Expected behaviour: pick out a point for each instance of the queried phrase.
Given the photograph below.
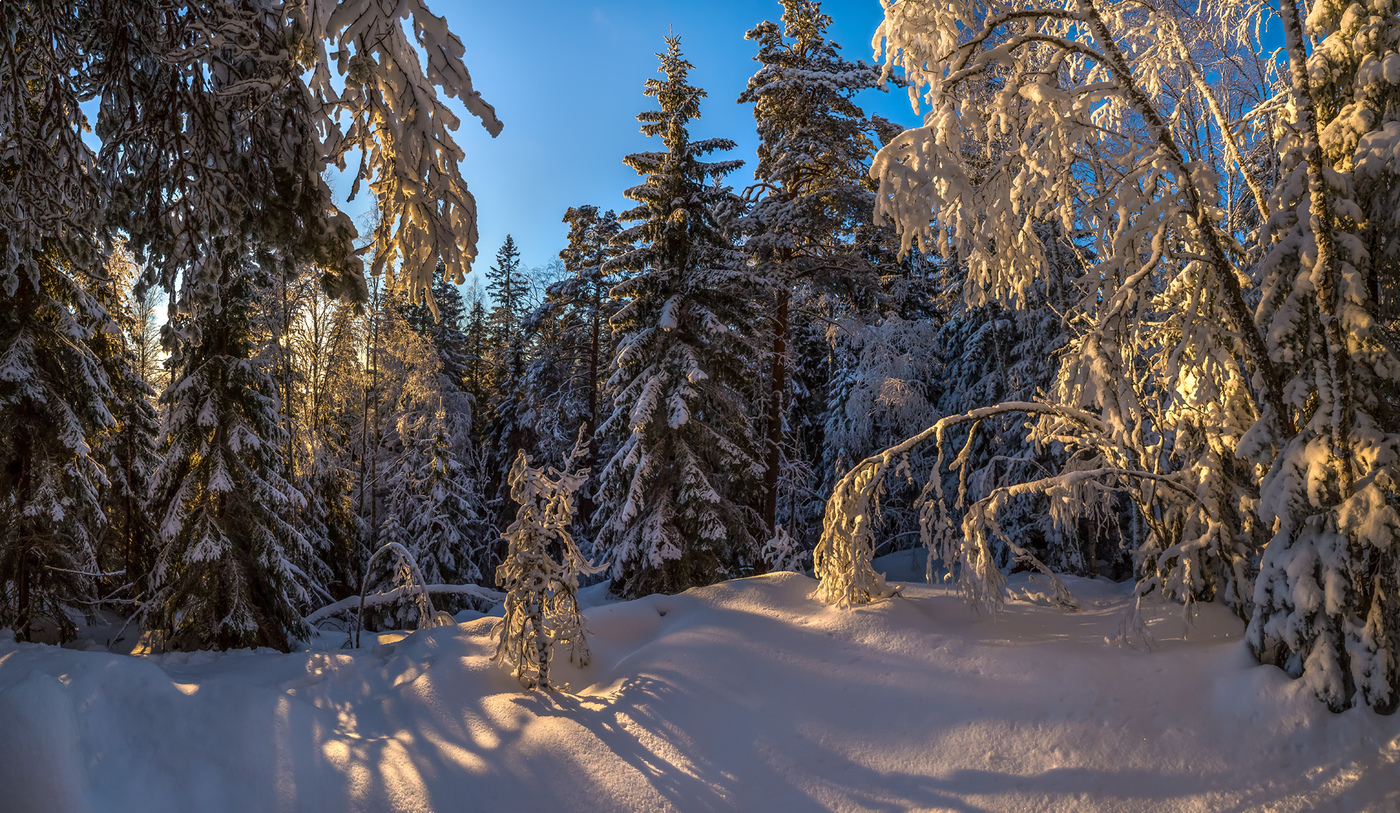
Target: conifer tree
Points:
(674, 507)
(233, 570)
(1327, 593)
(476, 378)
(508, 423)
(815, 144)
(572, 342)
(445, 329)
(508, 286)
(52, 401)
(52, 386)
(444, 529)
(127, 449)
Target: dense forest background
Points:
(1122, 306)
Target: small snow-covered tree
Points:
(540, 574)
(675, 508)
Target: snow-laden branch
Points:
(376, 599)
(847, 545)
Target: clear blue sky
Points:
(566, 79)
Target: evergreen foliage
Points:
(234, 570)
(674, 509)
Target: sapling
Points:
(541, 571)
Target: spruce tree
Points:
(476, 376)
(674, 507)
(1328, 592)
(572, 342)
(52, 386)
(508, 286)
(814, 147)
(53, 392)
(233, 570)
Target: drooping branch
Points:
(844, 552)
(1201, 218)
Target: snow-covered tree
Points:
(1327, 604)
(52, 403)
(444, 527)
(1068, 115)
(476, 371)
(674, 506)
(228, 113)
(52, 386)
(814, 147)
(540, 574)
(509, 288)
(444, 330)
(216, 122)
(572, 342)
(127, 448)
(234, 569)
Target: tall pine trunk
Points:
(777, 382)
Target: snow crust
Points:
(748, 695)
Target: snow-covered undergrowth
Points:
(749, 695)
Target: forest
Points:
(1123, 306)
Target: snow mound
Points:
(748, 695)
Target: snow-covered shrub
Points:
(540, 574)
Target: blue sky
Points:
(566, 79)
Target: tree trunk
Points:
(1321, 220)
(777, 383)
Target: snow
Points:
(747, 695)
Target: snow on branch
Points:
(843, 555)
(378, 599)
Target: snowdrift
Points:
(748, 695)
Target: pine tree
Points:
(591, 246)
(814, 147)
(674, 510)
(540, 574)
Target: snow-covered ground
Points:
(748, 695)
